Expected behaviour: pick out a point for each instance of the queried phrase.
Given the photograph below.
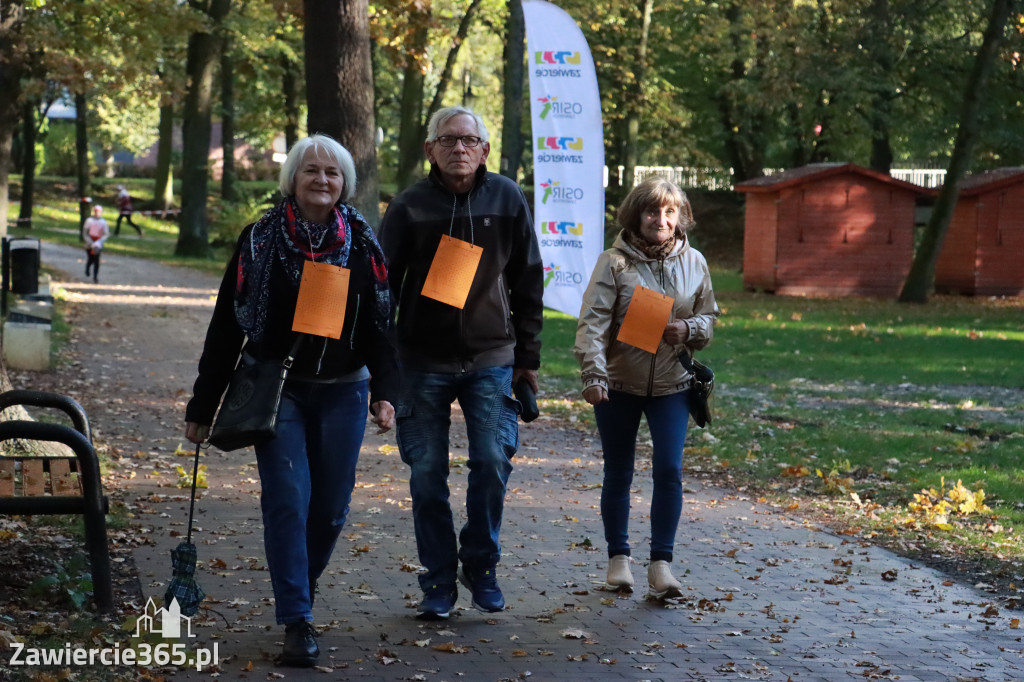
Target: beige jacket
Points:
(605, 361)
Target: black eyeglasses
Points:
(468, 141)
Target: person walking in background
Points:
(624, 382)
(124, 208)
(466, 271)
(95, 232)
(307, 470)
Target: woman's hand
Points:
(676, 332)
(196, 433)
(383, 415)
(595, 394)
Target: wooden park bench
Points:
(41, 484)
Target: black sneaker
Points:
(484, 586)
(300, 647)
(437, 603)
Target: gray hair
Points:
(329, 146)
(442, 116)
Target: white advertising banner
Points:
(568, 153)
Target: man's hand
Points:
(383, 416)
(196, 433)
(595, 394)
(529, 374)
(676, 332)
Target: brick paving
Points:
(766, 596)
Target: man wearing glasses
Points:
(465, 269)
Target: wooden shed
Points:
(829, 229)
(983, 252)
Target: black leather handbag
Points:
(248, 414)
(701, 390)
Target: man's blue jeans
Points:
(307, 472)
(424, 419)
(618, 421)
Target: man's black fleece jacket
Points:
(501, 321)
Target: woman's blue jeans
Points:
(307, 472)
(618, 422)
(424, 420)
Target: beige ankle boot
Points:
(663, 585)
(619, 577)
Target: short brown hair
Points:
(654, 192)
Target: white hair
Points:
(442, 116)
(329, 146)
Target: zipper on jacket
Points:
(355, 319)
(506, 307)
(654, 358)
(320, 360)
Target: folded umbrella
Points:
(183, 586)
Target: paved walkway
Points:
(767, 597)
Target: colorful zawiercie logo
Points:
(556, 57)
(561, 227)
(560, 109)
(556, 143)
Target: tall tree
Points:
(12, 58)
(512, 62)
(28, 161)
(920, 281)
(636, 100)
(203, 49)
(410, 128)
(82, 157)
(163, 183)
(229, 174)
(290, 86)
(339, 88)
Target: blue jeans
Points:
(307, 472)
(618, 421)
(424, 419)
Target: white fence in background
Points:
(721, 178)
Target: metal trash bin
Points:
(24, 255)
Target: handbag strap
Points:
(192, 503)
(290, 358)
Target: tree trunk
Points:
(880, 116)
(921, 280)
(193, 239)
(163, 188)
(410, 127)
(339, 89)
(637, 99)
(11, 16)
(82, 160)
(229, 174)
(290, 87)
(512, 143)
(28, 164)
(741, 132)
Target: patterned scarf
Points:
(652, 251)
(283, 237)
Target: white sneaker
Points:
(619, 577)
(662, 584)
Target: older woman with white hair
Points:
(307, 470)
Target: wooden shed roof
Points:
(814, 172)
(990, 181)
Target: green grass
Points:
(818, 399)
(55, 219)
